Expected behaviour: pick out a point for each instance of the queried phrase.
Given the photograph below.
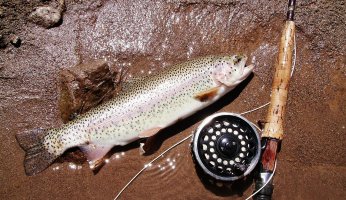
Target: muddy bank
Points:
(146, 36)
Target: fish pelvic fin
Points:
(37, 157)
(95, 154)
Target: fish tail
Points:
(37, 157)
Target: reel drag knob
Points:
(226, 146)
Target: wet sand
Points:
(147, 36)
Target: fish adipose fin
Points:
(37, 157)
(208, 94)
(95, 154)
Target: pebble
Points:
(46, 16)
(15, 40)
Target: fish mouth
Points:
(239, 60)
(233, 72)
(250, 66)
(248, 70)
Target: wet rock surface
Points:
(147, 36)
(85, 86)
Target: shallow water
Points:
(147, 36)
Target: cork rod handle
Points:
(274, 122)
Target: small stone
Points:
(46, 16)
(15, 40)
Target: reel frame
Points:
(243, 169)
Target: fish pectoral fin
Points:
(149, 132)
(207, 95)
(95, 154)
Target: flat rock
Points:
(84, 86)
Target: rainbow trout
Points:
(147, 105)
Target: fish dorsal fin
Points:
(95, 153)
(208, 95)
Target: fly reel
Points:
(226, 146)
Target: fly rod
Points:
(274, 130)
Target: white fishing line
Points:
(259, 107)
(250, 111)
(149, 164)
(270, 178)
(253, 124)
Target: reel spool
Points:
(226, 146)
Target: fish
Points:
(145, 106)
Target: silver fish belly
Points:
(146, 106)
